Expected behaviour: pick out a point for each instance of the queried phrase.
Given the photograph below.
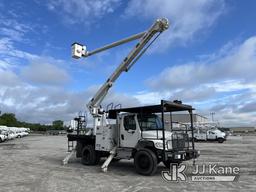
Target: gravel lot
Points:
(33, 164)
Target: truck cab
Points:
(141, 130)
(134, 127)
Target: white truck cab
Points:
(134, 127)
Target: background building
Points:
(242, 130)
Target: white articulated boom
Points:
(79, 51)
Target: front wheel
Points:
(145, 162)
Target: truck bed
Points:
(80, 137)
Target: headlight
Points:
(169, 144)
(159, 145)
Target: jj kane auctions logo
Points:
(211, 172)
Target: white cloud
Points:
(8, 78)
(36, 69)
(40, 69)
(7, 49)
(231, 85)
(223, 82)
(239, 65)
(45, 73)
(147, 98)
(83, 11)
(45, 104)
(4, 65)
(15, 25)
(13, 30)
(248, 107)
(6, 45)
(187, 18)
(14, 34)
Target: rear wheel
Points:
(1, 140)
(145, 162)
(90, 156)
(220, 140)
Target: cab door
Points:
(211, 135)
(129, 131)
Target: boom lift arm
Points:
(79, 51)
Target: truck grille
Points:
(180, 141)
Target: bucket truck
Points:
(209, 132)
(138, 133)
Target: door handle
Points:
(122, 136)
(131, 131)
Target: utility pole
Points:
(212, 114)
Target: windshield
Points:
(149, 122)
(3, 132)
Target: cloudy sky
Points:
(207, 58)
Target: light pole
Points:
(212, 114)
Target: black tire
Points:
(1, 140)
(90, 156)
(18, 136)
(195, 139)
(145, 162)
(79, 148)
(220, 140)
(167, 163)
